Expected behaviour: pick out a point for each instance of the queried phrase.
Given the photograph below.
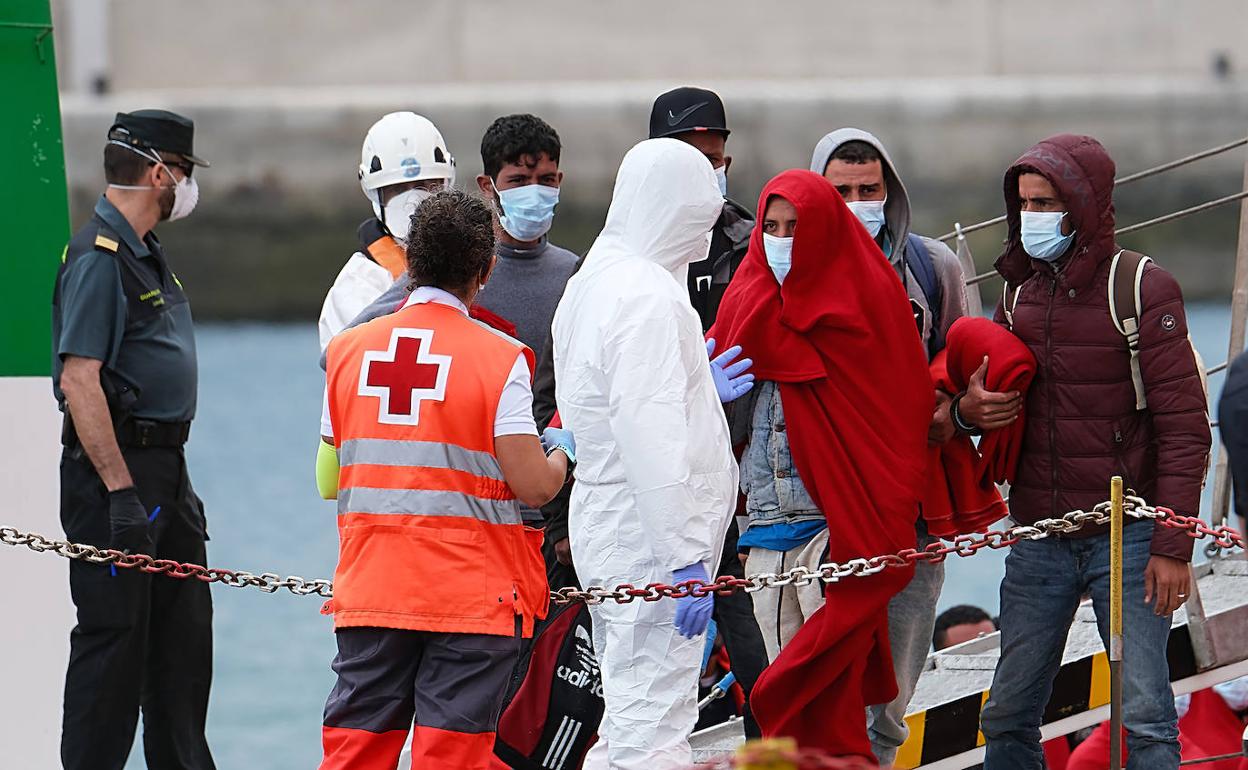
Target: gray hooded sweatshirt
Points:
(896, 229)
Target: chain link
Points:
(1222, 538)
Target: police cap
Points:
(156, 130)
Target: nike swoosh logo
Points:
(675, 120)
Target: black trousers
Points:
(142, 641)
(734, 616)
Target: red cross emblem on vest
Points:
(404, 375)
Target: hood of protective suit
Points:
(665, 202)
(897, 207)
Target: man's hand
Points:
(1167, 582)
(985, 409)
(128, 523)
(563, 552)
(942, 427)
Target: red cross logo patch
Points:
(404, 375)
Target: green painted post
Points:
(34, 201)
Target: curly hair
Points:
(511, 137)
(451, 241)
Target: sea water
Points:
(251, 458)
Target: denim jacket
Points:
(773, 492)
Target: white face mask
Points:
(721, 178)
(185, 196)
(397, 214)
(870, 214)
(185, 190)
(779, 252)
(1041, 232)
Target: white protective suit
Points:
(656, 482)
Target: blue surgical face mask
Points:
(779, 253)
(721, 176)
(527, 211)
(1042, 234)
(870, 214)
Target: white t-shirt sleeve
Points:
(327, 428)
(515, 405)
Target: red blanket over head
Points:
(840, 340)
(961, 493)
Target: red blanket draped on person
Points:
(839, 339)
(962, 495)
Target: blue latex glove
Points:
(693, 613)
(560, 438)
(732, 380)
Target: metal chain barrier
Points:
(1223, 538)
(267, 582)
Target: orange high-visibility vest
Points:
(430, 535)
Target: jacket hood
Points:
(1083, 174)
(665, 202)
(897, 208)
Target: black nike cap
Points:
(687, 109)
(156, 130)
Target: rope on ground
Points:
(1221, 537)
(1128, 179)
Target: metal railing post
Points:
(1239, 314)
(1115, 623)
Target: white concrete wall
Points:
(956, 135)
(34, 588)
(163, 44)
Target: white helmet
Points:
(402, 147)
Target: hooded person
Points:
(1086, 423)
(826, 320)
(860, 168)
(656, 481)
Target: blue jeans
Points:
(1044, 580)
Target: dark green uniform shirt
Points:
(117, 301)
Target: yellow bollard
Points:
(1115, 623)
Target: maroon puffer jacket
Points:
(1082, 424)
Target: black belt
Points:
(150, 433)
(137, 433)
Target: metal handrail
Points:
(1142, 225)
(1129, 178)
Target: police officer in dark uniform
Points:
(125, 376)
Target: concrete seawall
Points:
(280, 205)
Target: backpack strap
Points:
(1009, 301)
(1126, 272)
(918, 260)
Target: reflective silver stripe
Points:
(425, 454)
(427, 502)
